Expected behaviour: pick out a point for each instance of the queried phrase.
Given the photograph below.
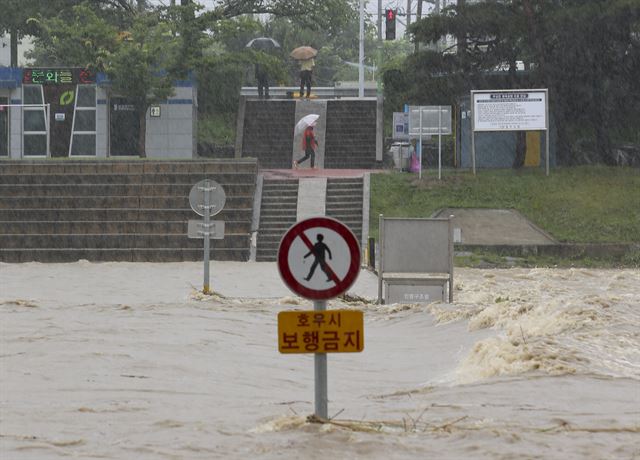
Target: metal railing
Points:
(321, 92)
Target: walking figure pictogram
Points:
(318, 250)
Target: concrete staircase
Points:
(347, 132)
(344, 202)
(277, 214)
(60, 211)
(279, 210)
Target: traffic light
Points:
(390, 22)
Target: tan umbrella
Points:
(302, 53)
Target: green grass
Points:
(486, 259)
(586, 204)
(217, 129)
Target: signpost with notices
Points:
(319, 258)
(207, 198)
(428, 120)
(509, 110)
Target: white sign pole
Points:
(207, 240)
(48, 114)
(473, 137)
(439, 142)
(420, 171)
(546, 136)
(320, 374)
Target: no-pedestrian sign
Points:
(319, 258)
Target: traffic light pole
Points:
(361, 53)
(379, 95)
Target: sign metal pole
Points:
(292, 270)
(546, 137)
(473, 136)
(207, 240)
(439, 142)
(420, 172)
(320, 374)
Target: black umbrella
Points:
(263, 43)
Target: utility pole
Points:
(418, 18)
(13, 47)
(409, 13)
(379, 96)
(361, 53)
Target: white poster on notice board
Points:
(510, 110)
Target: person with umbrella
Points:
(305, 55)
(262, 75)
(309, 141)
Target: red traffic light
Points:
(391, 14)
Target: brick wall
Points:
(350, 140)
(268, 132)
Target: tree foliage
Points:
(143, 45)
(586, 52)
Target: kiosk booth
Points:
(72, 112)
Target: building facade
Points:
(71, 112)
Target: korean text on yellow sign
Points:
(331, 331)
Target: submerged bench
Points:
(416, 260)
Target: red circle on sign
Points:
(340, 285)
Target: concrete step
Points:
(121, 255)
(25, 190)
(127, 167)
(125, 178)
(129, 214)
(115, 241)
(110, 227)
(111, 202)
(354, 201)
(275, 226)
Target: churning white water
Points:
(121, 360)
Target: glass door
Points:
(34, 120)
(124, 128)
(83, 132)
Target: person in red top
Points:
(308, 143)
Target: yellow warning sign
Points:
(330, 331)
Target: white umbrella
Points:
(307, 120)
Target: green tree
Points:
(584, 51)
(139, 62)
(14, 20)
(163, 43)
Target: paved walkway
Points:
(495, 227)
(318, 172)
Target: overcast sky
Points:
(370, 5)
